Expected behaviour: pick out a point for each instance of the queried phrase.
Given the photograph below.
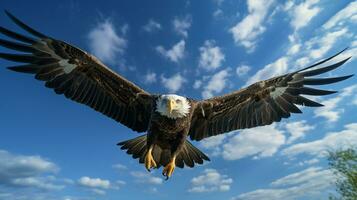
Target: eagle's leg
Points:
(176, 146)
(169, 168)
(149, 159)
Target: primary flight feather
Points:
(168, 119)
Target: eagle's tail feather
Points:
(188, 156)
(136, 147)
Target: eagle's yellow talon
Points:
(169, 169)
(149, 161)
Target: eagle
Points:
(168, 120)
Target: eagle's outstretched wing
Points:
(79, 76)
(261, 103)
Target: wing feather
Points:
(262, 103)
(78, 75)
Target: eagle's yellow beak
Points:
(171, 105)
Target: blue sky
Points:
(52, 148)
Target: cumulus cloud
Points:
(302, 13)
(309, 162)
(27, 171)
(152, 26)
(308, 183)
(242, 70)
(211, 56)
(260, 142)
(247, 31)
(325, 43)
(332, 141)
(99, 186)
(314, 49)
(297, 130)
(146, 178)
(216, 84)
(332, 109)
(173, 83)
(197, 84)
(182, 24)
(105, 42)
(120, 166)
(295, 48)
(44, 183)
(347, 14)
(354, 101)
(150, 77)
(210, 180)
(218, 2)
(175, 54)
(279, 67)
(214, 143)
(94, 182)
(217, 13)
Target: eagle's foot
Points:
(169, 169)
(149, 161)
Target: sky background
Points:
(52, 148)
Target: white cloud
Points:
(260, 142)
(314, 49)
(210, 181)
(332, 141)
(86, 181)
(120, 182)
(242, 70)
(197, 84)
(120, 167)
(124, 29)
(246, 32)
(303, 13)
(146, 178)
(332, 110)
(309, 183)
(295, 48)
(181, 25)
(175, 54)
(105, 43)
(343, 16)
(12, 165)
(279, 67)
(150, 77)
(297, 130)
(152, 26)
(309, 162)
(214, 143)
(354, 101)
(218, 13)
(98, 191)
(97, 185)
(173, 83)
(325, 43)
(211, 56)
(27, 171)
(216, 84)
(37, 182)
(218, 2)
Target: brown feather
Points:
(261, 103)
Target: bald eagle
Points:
(168, 119)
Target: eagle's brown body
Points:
(168, 137)
(82, 78)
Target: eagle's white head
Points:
(172, 106)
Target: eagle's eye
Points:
(178, 100)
